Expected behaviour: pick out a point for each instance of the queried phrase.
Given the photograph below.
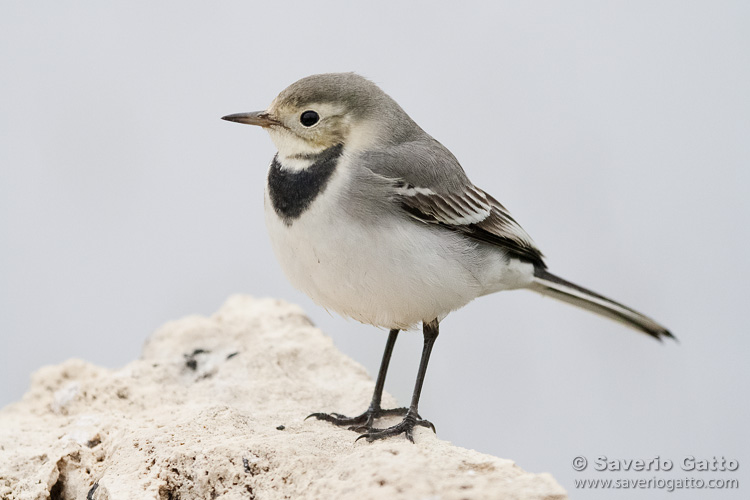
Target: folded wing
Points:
(472, 212)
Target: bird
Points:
(374, 219)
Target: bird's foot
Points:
(406, 427)
(364, 423)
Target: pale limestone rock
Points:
(199, 416)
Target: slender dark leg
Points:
(380, 382)
(365, 421)
(412, 418)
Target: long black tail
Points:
(548, 284)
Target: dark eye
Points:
(309, 118)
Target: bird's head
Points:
(321, 111)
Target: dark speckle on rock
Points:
(280, 428)
(230, 356)
(190, 360)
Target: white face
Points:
(290, 144)
(303, 135)
(300, 136)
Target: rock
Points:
(215, 409)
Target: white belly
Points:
(389, 272)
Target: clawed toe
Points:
(426, 423)
(339, 419)
(405, 427)
(364, 423)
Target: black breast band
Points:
(292, 191)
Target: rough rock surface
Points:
(215, 408)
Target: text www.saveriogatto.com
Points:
(658, 464)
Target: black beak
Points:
(260, 118)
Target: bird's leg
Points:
(411, 418)
(364, 422)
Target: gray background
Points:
(617, 134)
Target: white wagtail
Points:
(374, 219)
